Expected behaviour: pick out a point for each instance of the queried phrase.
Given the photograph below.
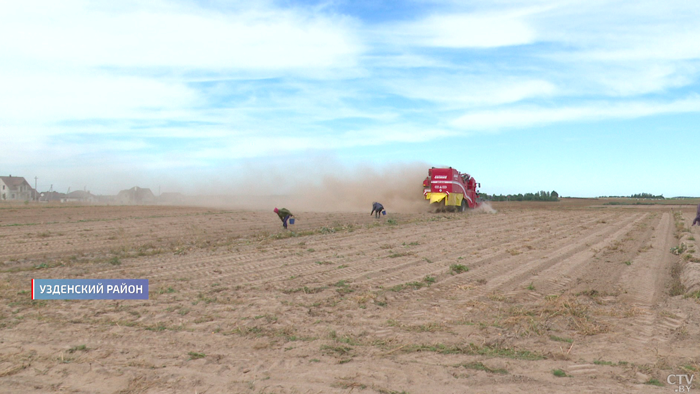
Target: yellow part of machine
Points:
(450, 199)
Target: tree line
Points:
(539, 196)
(640, 196)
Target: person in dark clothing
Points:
(284, 215)
(697, 218)
(378, 208)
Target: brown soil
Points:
(410, 303)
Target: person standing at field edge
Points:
(697, 218)
(284, 215)
(378, 208)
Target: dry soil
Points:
(551, 297)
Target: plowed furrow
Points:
(461, 249)
(644, 288)
(505, 273)
(561, 270)
(379, 273)
(581, 249)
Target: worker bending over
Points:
(378, 208)
(284, 215)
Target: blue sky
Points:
(587, 98)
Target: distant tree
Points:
(647, 196)
(539, 196)
(639, 196)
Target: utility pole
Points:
(36, 192)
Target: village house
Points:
(15, 188)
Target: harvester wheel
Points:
(463, 207)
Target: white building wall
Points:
(22, 192)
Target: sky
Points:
(588, 98)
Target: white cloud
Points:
(41, 98)
(251, 145)
(618, 31)
(76, 33)
(619, 48)
(522, 116)
(642, 78)
(79, 60)
(465, 30)
(288, 80)
(459, 91)
(392, 134)
(608, 47)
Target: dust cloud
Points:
(398, 188)
(484, 207)
(327, 187)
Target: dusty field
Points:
(411, 303)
